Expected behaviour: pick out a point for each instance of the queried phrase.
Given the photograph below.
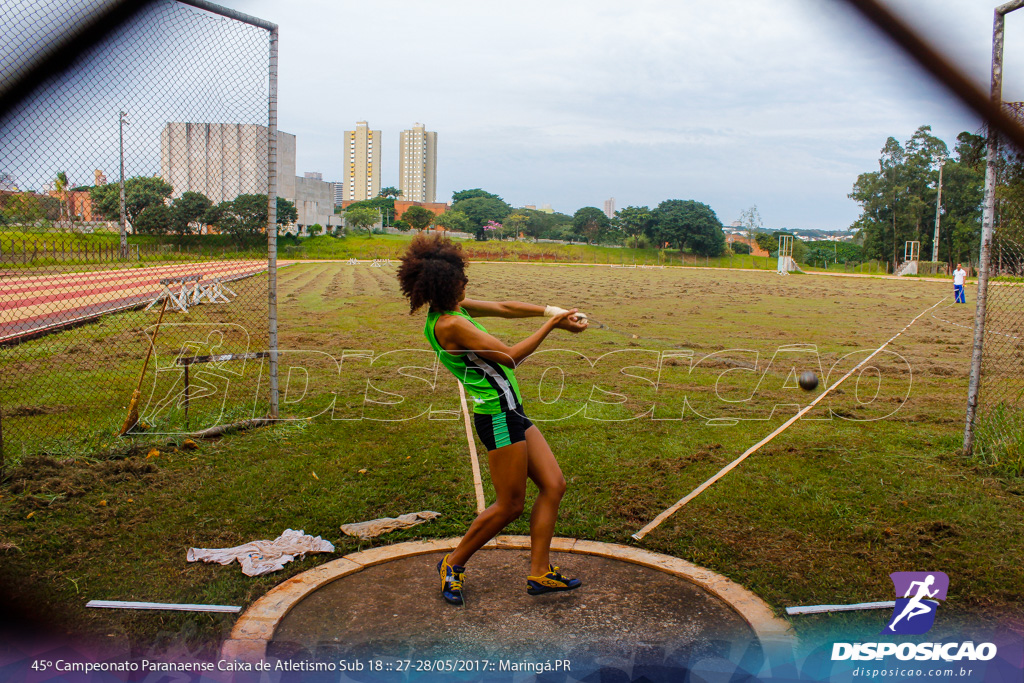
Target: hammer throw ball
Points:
(808, 380)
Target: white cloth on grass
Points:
(262, 557)
(376, 527)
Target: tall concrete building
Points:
(417, 164)
(609, 207)
(362, 152)
(224, 160)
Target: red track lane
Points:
(22, 285)
(35, 303)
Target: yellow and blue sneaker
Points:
(452, 576)
(550, 582)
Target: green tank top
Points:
(490, 386)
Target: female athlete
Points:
(432, 273)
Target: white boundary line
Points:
(728, 468)
(820, 609)
(118, 604)
(477, 484)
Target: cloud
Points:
(780, 104)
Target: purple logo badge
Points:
(917, 600)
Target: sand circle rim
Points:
(256, 627)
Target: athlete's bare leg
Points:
(508, 475)
(543, 469)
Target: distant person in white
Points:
(914, 607)
(958, 284)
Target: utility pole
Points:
(938, 213)
(122, 122)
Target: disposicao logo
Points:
(917, 599)
(914, 612)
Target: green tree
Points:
(158, 219)
(767, 241)
(545, 225)
(453, 221)
(190, 211)
(924, 154)
(286, 212)
(401, 225)
(479, 210)
(963, 191)
(633, 222)
(898, 201)
(473, 194)
(418, 217)
(971, 150)
(392, 192)
(361, 218)
(591, 222)
(60, 184)
(516, 223)
(882, 195)
(385, 205)
(688, 224)
(243, 218)
(22, 208)
(140, 193)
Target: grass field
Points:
(822, 514)
(76, 251)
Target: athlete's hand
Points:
(571, 322)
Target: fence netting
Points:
(999, 424)
(179, 96)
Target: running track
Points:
(31, 304)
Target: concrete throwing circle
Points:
(385, 602)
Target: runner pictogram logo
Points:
(917, 599)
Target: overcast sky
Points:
(569, 102)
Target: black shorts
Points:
(502, 429)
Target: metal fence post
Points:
(272, 222)
(987, 219)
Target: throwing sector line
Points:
(653, 524)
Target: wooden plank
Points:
(478, 486)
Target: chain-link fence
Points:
(999, 422)
(137, 181)
(999, 425)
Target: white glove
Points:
(552, 311)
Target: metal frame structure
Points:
(785, 254)
(63, 56)
(912, 251)
(911, 258)
(271, 181)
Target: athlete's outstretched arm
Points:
(456, 334)
(501, 309)
(516, 309)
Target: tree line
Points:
(149, 209)
(675, 223)
(898, 201)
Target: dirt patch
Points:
(636, 504)
(50, 480)
(29, 411)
